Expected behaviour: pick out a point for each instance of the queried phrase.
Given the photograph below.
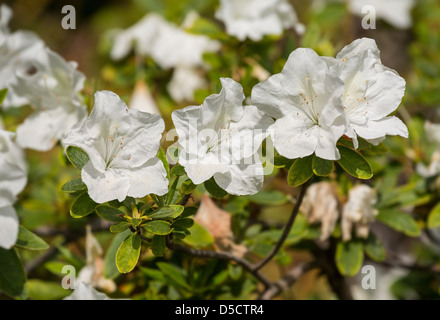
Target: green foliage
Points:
(349, 257)
(128, 253)
(26, 239)
(12, 275)
(354, 163)
(300, 171)
(77, 156)
(399, 221)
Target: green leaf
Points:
(354, 163)
(163, 157)
(45, 290)
(434, 217)
(3, 93)
(82, 206)
(167, 213)
(120, 226)
(188, 212)
(184, 223)
(73, 186)
(178, 170)
(322, 167)
(77, 156)
(214, 190)
(235, 271)
(399, 221)
(280, 161)
(12, 275)
(110, 213)
(269, 198)
(187, 187)
(374, 248)
(300, 171)
(158, 227)
(349, 257)
(110, 269)
(29, 240)
(128, 253)
(158, 245)
(199, 237)
(174, 274)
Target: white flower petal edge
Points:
(122, 145)
(8, 227)
(221, 138)
(254, 19)
(85, 291)
(13, 169)
(395, 12)
(306, 100)
(372, 92)
(13, 179)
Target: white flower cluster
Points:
(37, 76)
(305, 109)
(318, 99)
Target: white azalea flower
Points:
(15, 50)
(395, 12)
(168, 44)
(184, 82)
(359, 211)
(307, 101)
(432, 131)
(372, 92)
(5, 16)
(85, 291)
(13, 178)
(254, 19)
(122, 145)
(220, 139)
(52, 86)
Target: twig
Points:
(286, 230)
(219, 255)
(286, 282)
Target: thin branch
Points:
(287, 281)
(286, 230)
(219, 255)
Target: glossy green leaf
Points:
(434, 217)
(349, 257)
(73, 186)
(300, 171)
(12, 275)
(120, 226)
(110, 269)
(110, 213)
(399, 221)
(77, 156)
(28, 240)
(158, 245)
(82, 206)
(167, 213)
(158, 227)
(374, 248)
(322, 167)
(269, 198)
(128, 253)
(178, 170)
(354, 163)
(214, 189)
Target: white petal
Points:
(105, 186)
(41, 130)
(242, 179)
(85, 291)
(225, 105)
(148, 178)
(294, 138)
(381, 128)
(358, 47)
(8, 227)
